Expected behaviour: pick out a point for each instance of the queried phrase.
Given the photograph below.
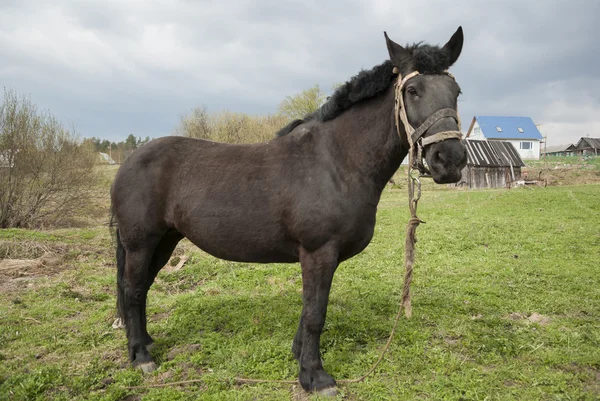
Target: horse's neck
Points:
(366, 135)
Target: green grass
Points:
(482, 256)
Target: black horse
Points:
(308, 195)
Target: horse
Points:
(308, 195)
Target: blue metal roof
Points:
(509, 126)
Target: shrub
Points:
(45, 174)
(230, 127)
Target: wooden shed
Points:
(559, 150)
(490, 164)
(587, 146)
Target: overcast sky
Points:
(115, 67)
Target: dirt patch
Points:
(564, 174)
(533, 318)
(539, 319)
(31, 249)
(113, 355)
(516, 316)
(157, 317)
(588, 374)
(452, 341)
(15, 273)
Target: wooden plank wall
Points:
(487, 177)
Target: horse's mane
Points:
(366, 84)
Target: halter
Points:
(414, 136)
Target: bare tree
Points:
(230, 127)
(45, 174)
(196, 124)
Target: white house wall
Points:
(476, 133)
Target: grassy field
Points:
(506, 306)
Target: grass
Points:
(488, 263)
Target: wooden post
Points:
(512, 171)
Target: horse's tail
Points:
(120, 254)
(120, 272)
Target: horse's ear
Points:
(454, 45)
(397, 53)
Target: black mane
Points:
(426, 59)
(366, 84)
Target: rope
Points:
(411, 240)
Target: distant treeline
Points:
(117, 150)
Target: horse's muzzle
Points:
(446, 160)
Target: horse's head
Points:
(428, 103)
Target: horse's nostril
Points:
(440, 157)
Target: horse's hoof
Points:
(148, 367)
(328, 391)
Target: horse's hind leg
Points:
(161, 256)
(133, 290)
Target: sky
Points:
(112, 68)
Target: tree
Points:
(104, 146)
(196, 124)
(303, 103)
(130, 142)
(45, 173)
(141, 142)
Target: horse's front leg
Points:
(317, 273)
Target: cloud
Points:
(118, 67)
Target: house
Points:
(490, 164)
(587, 147)
(7, 158)
(520, 131)
(559, 150)
(105, 158)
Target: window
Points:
(498, 129)
(520, 130)
(526, 145)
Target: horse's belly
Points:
(242, 240)
(357, 243)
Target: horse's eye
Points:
(411, 91)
